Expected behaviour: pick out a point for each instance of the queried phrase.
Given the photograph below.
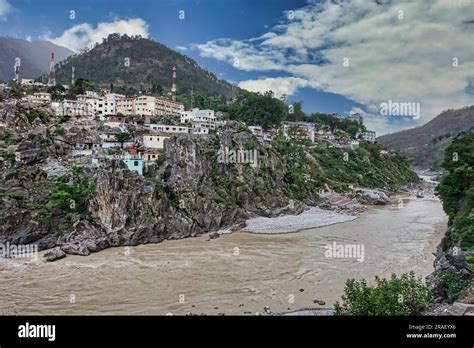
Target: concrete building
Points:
(115, 121)
(256, 130)
(368, 136)
(71, 108)
(86, 148)
(39, 98)
(145, 105)
(200, 118)
(125, 106)
(150, 155)
(198, 130)
(154, 141)
(108, 136)
(165, 106)
(117, 145)
(134, 165)
(298, 130)
(31, 83)
(165, 128)
(100, 106)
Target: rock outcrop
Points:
(372, 197)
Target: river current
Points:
(238, 273)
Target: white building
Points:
(109, 106)
(117, 144)
(100, 106)
(154, 141)
(70, 108)
(39, 98)
(199, 130)
(200, 118)
(165, 128)
(108, 136)
(368, 136)
(256, 130)
(31, 83)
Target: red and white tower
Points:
(52, 75)
(16, 69)
(173, 87)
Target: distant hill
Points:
(35, 57)
(424, 146)
(150, 63)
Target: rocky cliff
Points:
(199, 184)
(453, 278)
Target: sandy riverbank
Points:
(311, 218)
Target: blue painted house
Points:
(134, 164)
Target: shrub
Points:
(404, 295)
(453, 284)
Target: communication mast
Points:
(173, 87)
(52, 75)
(16, 69)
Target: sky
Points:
(399, 63)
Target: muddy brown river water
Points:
(238, 273)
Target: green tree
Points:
(57, 92)
(404, 295)
(456, 190)
(258, 109)
(81, 86)
(123, 137)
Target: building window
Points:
(135, 163)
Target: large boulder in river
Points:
(54, 254)
(373, 197)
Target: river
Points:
(238, 273)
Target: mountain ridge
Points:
(424, 145)
(35, 57)
(141, 63)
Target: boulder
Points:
(54, 254)
(372, 197)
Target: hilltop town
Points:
(98, 125)
(85, 167)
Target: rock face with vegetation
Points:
(140, 64)
(454, 265)
(191, 189)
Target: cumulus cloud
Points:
(5, 8)
(85, 35)
(400, 50)
(181, 48)
(279, 85)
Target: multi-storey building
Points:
(145, 105)
(71, 108)
(200, 118)
(125, 106)
(368, 136)
(39, 98)
(165, 106)
(154, 141)
(100, 106)
(166, 128)
(298, 130)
